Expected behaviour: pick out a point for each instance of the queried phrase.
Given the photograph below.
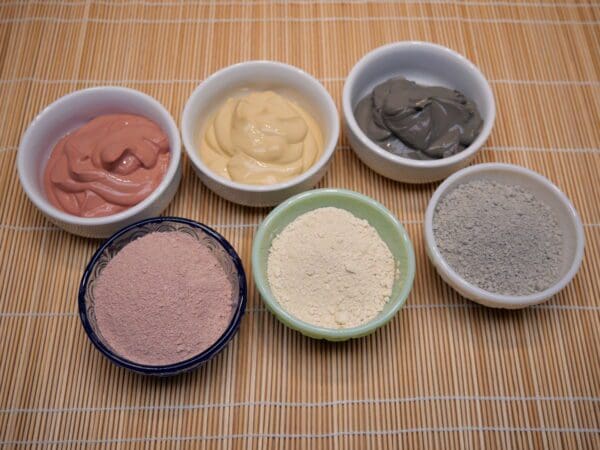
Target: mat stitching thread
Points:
(282, 404)
(323, 80)
(488, 148)
(308, 435)
(263, 310)
(59, 20)
(305, 2)
(225, 226)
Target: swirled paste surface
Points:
(417, 121)
(261, 138)
(108, 165)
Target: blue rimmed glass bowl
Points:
(222, 250)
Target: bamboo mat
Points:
(445, 373)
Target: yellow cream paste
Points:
(260, 138)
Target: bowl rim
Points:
(308, 329)
(210, 352)
(44, 205)
(191, 151)
(429, 47)
(489, 298)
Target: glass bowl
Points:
(225, 254)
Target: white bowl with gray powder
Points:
(503, 236)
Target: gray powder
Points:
(499, 237)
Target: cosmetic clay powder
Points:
(331, 269)
(499, 237)
(163, 299)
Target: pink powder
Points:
(163, 299)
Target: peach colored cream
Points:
(108, 165)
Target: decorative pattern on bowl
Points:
(221, 249)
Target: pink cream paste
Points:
(107, 166)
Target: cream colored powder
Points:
(331, 269)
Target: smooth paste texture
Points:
(499, 237)
(163, 299)
(108, 165)
(418, 122)
(331, 269)
(260, 138)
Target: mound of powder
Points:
(163, 299)
(499, 237)
(331, 269)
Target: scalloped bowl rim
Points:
(205, 355)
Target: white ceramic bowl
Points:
(428, 64)
(71, 112)
(284, 79)
(567, 216)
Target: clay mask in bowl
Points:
(523, 240)
(391, 232)
(427, 64)
(140, 339)
(259, 76)
(74, 111)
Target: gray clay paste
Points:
(418, 122)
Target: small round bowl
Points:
(71, 112)
(544, 190)
(428, 64)
(284, 79)
(389, 229)
(222, 249)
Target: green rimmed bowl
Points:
(361, 206)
